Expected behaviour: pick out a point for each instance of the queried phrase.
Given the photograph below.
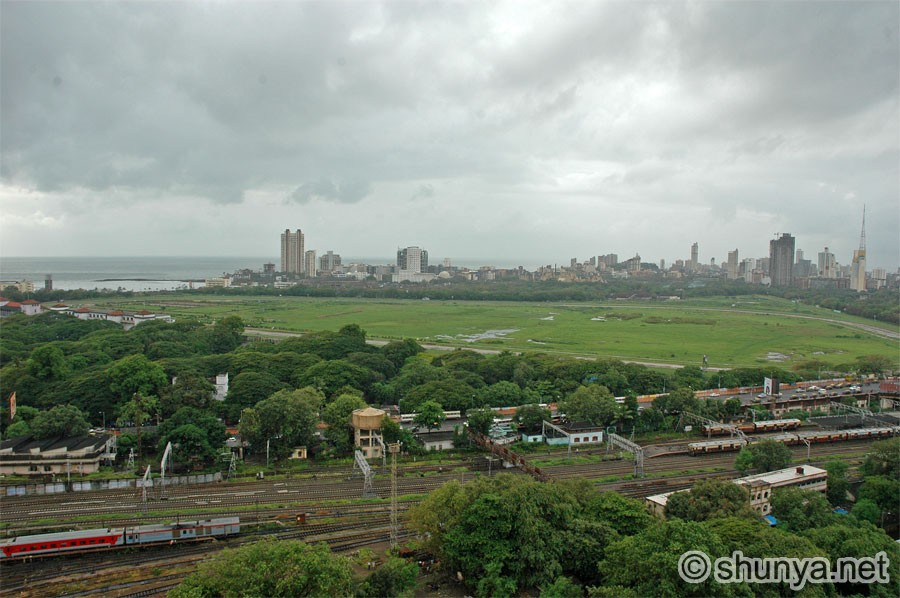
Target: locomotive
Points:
(140, 535)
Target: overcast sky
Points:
(527, 133)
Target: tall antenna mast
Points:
(862, 235)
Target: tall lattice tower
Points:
(858, 266)
(394, 448)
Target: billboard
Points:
(770, 386)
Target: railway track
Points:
(343, 527)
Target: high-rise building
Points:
(412, 259)
(858, 266)
(48, 282)
(310, 263)
(695, 257)
(731, 268)
(329, 262)
(292, 252)
(610, 260)
(827, 266)
(781, 260)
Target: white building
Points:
(760, 487)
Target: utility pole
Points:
(394, 448)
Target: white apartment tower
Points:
(412, 259)
(292, 252)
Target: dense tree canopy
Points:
(710, 499)
(766, 455)
(62, 420)
(285, 420)
(273, 568)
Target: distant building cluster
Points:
(784, 266)
(128, 320)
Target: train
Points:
(772, 425)
(793, 438)
(58, 543)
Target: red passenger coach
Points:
(23, 547)
(62, 542)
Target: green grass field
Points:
(731, 333)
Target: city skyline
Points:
(527, 132)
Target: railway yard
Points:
(324, 504)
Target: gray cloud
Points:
(727, 111)
(324, 189)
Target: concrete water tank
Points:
(367, 419)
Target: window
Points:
(48, 468)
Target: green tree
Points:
(47, 362)
(867, 510)
(766, 455)
(884, 492)
(285, 420)
(17, 429)
(648, 562)
(396, 577)
(62, 420)
(797, 510)
(337, 415)
(429, 415)
(744, 460)
(838, 484)
(136, 374)
(530, 418)
(480, 420)
(137, 411)
(883, 459)
(399, 351)
(626, 515)
(873, 364)
(189, 390)
(593, 404)
(330, 376)
(204, 435)
(508, 533)
(710, 499)
(272, 568)
(222, 337)
(247, 389)
(840, 541)
(563, 587)
(451, 393)
(677, 401)
(190, 446)
(501, 394)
